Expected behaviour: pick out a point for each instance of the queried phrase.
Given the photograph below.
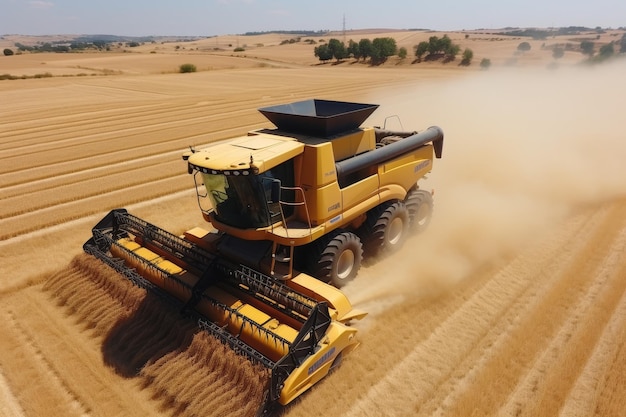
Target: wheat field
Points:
(512, 303)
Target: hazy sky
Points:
(219, 17)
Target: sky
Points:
(222, 17)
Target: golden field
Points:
(512, 303)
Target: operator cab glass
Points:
(251, 201)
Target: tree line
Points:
(380, 49)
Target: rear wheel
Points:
(336, 258)
(419, 203)
(386, 227)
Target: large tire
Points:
(336, 258)
(420, 206)
(386, 227)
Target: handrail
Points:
(294, 204)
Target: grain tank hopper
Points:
(305, 196)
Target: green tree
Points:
(420, 49)
(524, 47)
(353, 49)
(8, 52)
(323, 52)
(402, 53)
(337, 49)
(468, 55)
(606, 51)
(439, 46)
(365, 48)
(587, 47)
(383, 48)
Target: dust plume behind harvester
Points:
(311, 195)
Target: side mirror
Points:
(275, 192)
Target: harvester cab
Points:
(306, 196)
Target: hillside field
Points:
(512, 303)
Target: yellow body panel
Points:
(318, 166)
(353, 144)
(257, 151)
(407, 169)
(339, 339)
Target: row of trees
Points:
(377, 50)
(380, 49)
(586, 47)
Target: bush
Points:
(485, 63)
(187, 68)
(468, 55)
(8, 52)
(239, 49)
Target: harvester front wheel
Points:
(420, 206)
(337, 258)
(386, 227)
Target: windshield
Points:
(240, 201)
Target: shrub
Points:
(523, 47)
(485, 63)
(239, 49)
(187, 68)
(8, 52)
(468, 55)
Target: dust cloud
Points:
(523, 148)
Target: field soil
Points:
(511, 303)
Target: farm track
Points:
(536, 332)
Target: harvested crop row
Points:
(51, 216)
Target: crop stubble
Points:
(538, 331)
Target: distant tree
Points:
(524, 47)
(365, 48)
(558, 52)
(606, 51)
(587, 47)
(132, 44)
(420, 49)
(468, 55)
(383, 48)
(437, 48)
(353, 49)
(323, 52)
(622, 48)
(485, 63)
(438, 45)
(8, 52)
(402, 53)
(337, 49)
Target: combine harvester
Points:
(310, 196)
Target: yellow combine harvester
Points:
(309, 196)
